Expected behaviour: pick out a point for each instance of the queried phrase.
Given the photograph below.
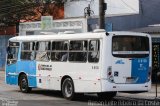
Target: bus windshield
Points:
(12, 51)
(130, 46)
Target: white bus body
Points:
(104, 68)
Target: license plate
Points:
(131, 80)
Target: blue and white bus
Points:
(96, 62)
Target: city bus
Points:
(76, 63)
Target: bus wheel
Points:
(23, 84)
(68, 89)
(106, 95)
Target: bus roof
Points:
(57, 37)
(89, 35)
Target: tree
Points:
(12, 12)
(50, 7)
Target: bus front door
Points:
(11, 64)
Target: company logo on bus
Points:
(119, 62)
(44, 67)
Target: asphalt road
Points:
(11, 96)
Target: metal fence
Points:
(3, 45)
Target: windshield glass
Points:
(130, 46)
(12, 51)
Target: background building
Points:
(120, 14)
(76, 8)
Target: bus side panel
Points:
(87, 86)
(29, 68)
(11, 76)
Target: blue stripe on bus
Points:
(11, 77)
(28, 67)
(140, 70)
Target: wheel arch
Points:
(20, 74)
(64, 77)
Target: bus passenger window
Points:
(27, 51)
(78, 51)
(93, 54)
(43, 51)
(59, 51)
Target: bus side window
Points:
(93, 54)
(37, 45)
(33, 46)
(78, 51)
(59, 51)
(27, 51)
(43, 51)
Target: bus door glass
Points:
(130, 61)
(12, 52)
(11, 67)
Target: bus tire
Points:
(106, 95)
(68, 89)
(23, 84)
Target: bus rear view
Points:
(130, 63)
